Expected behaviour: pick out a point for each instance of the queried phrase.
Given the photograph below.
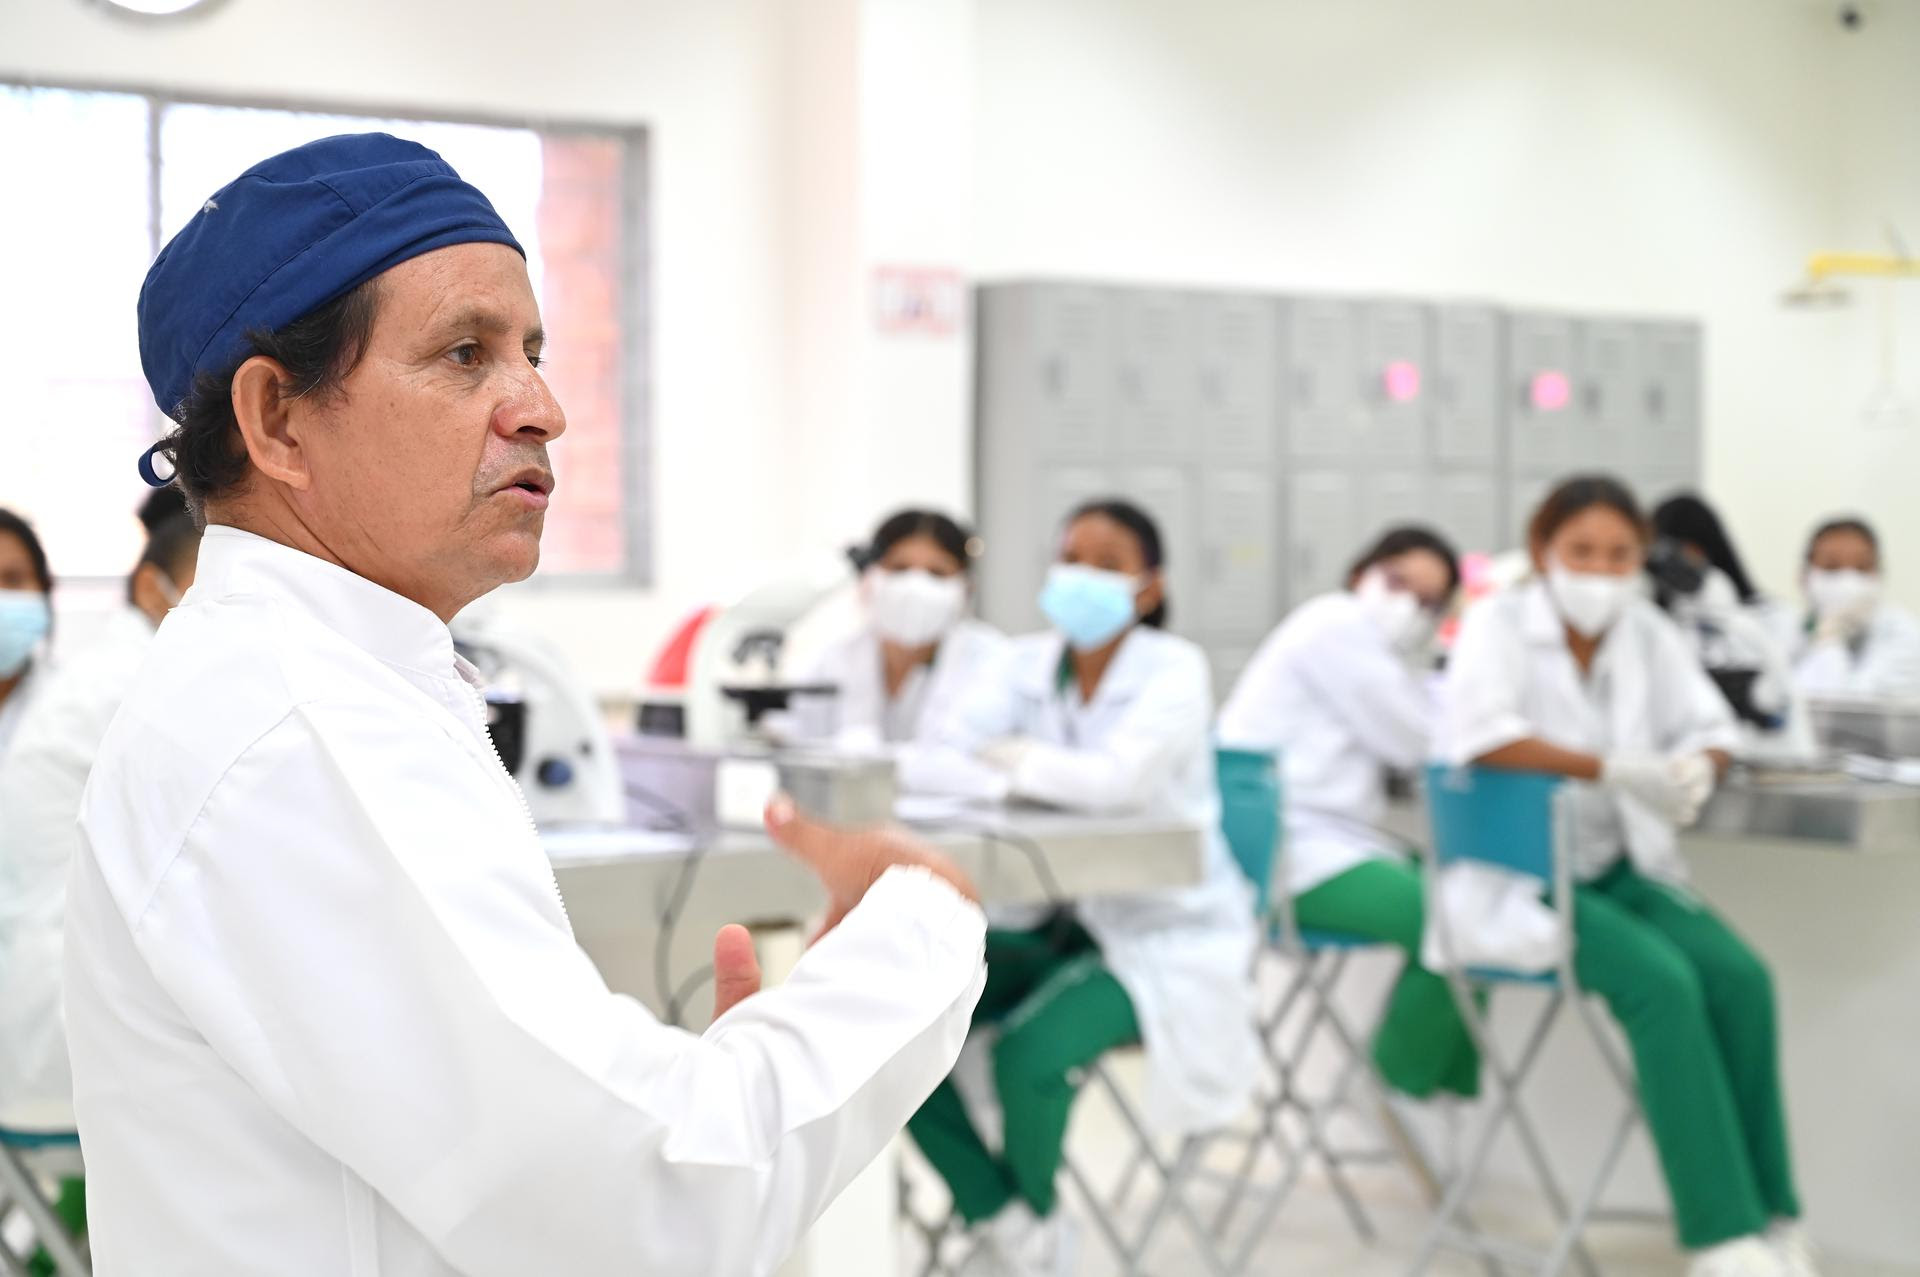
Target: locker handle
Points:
(1303, 386)
(1210, 387)
(1054, 374)
(1656, 402)
(1449, 390)
(1591, 397)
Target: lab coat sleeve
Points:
(943, 760)
(1699, 717)
(1167, 718)
(1248, 720)
(393, 976)
(1374, 693)
(1481, 696)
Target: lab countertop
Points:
(611, 878)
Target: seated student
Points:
(1337, 692)
(1576, 674)
(26, 617)
(41, 781)
(1735, 631)
(1105, 713)
(1853, 643)
(919, 651)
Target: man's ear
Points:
(267, 425)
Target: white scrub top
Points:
(327, 1015)
(1881, 663)
(14, 708)
(1511, 676)
(1143, 745)
(1328, 692)
(40, 786)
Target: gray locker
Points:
(1469, 512)
(1324, 408)
(1238, 360)
(1229, 662)
(1049, 351)
(1323, 532)
(1023, 543)
(1239, 549)
(1389, 498)
(1468, 406)
(1670, 437)
(1525, 495)
(1612, 395)
(1155, 384)
(1395, 334)
(1542, 382)
(1167, 493)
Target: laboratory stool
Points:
(20, 1152)
(1519, 821)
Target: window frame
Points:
(635, 275)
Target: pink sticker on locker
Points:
(1551, 391)
(1402, 379)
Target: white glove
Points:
(1664, 784)
(1005, 755)
(1695, 774)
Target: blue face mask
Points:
(1090, 606)
(24, 620)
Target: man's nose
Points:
(530, 411)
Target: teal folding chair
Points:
(20, 1188)
(1519, 822)
(1249, 783)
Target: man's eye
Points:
(535, 358)
(465, 355)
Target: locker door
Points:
(1612, 396)
(1070, 365)
(1324, 408)
(1240, 568)
(1670, 355)
(1322, 532)
(1467, 511)
(1229, 662)
(1468, 405)
(1166, 493)
(1238, 357)
(1389, 498)
(1542, 384)
(1156, 382)
(1017, 558)
(1396, 353)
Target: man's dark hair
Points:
(318, 350)
(172, 536)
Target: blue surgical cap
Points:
(289, 235)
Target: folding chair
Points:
(1250, 820)
(1519, 821)
(20, 1187)
(1293, 1123)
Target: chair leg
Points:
(18, 1182)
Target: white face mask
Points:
(1397, 613)
(914, 608)
(1590, 602)
(1842, 593)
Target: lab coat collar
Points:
(1543, 626)
(388, 626)
(1132, 665)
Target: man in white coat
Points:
(325, 1011)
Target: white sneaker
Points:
(1035, 1247)
(1746, 1257)
(1795, 1248)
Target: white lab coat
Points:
(863, 716)
(14, 708)
(40, 786)
(327, 1015)
(1511, 676)
(1143, 745)
(1328, 691)
(1726, 633)
(1882, 662)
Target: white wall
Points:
(1637, 157)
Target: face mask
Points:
(24, 621)
(1396, 612)
(1843, 593)
(1590, 602)
(1090, 606)
(914, 608)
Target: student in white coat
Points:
(1340, 691)
(1575, 673)
(1106, 713)
(325, 1010)
(918, 654)
(26, 618)
(1853, 643)
(45, 771)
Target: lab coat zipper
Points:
(520, 795)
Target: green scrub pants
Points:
(1695, 1002)
(1058, 1009)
